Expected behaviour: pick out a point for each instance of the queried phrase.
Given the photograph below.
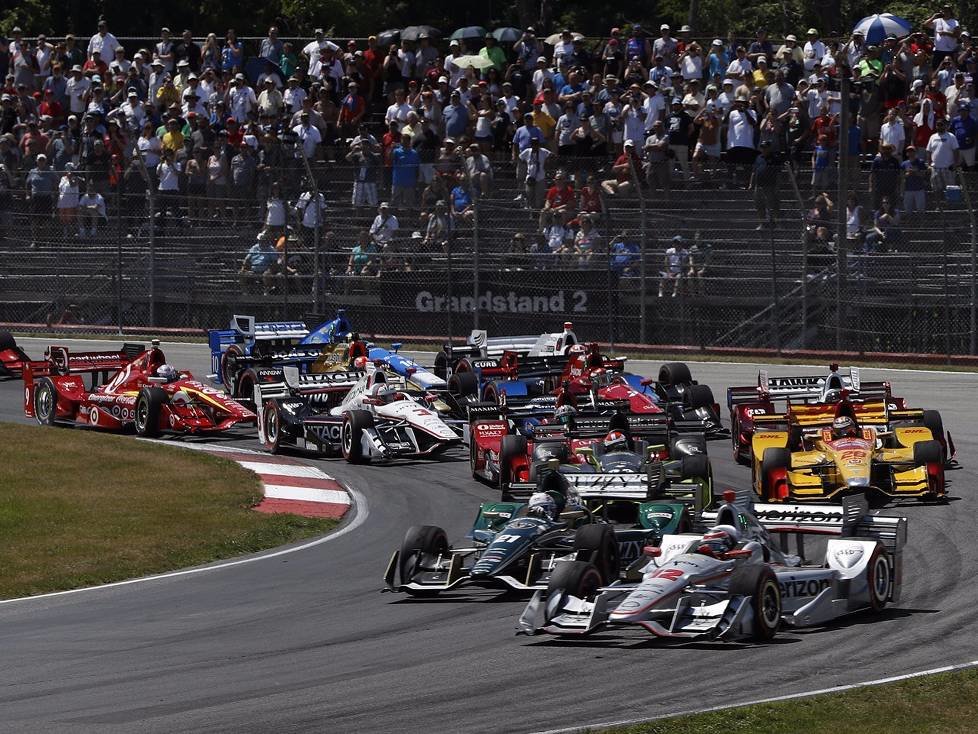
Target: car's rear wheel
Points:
(699, 396)
(597, 545)
(45, 402)
(422, 545)
(760, 586)
(878, 579)
(675, 373)
(463, 384)
(510, 448)
(229, 368)
(149, 406)
(272, 427)
(932, 420)
(351, 435)
(7, 341)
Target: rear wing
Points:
(244, 330)
(59, 361)
(480, 344)
(313, 387)
(806, 387)
(606, 487)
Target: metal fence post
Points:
(947, 293)
(840, 258)
(448, 286)
(966, 194)
(774, 290)
(118, 253)
(151, 274)
(476, 209)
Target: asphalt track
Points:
(305, 641)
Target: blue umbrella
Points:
(877, 27)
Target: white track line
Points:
(359, 507)
(286, 470)
(773, 699)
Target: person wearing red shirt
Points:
(388, 142)
(559, 199)
(352, 109)
(589, 198)
(33, 142)
(622, 182)
(51, 107)
(825, 124)
(95, 65)
(937, 98)
(373, 59)
(235, 133)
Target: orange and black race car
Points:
(807, 404)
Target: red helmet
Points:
(615, 441)
(360, 363)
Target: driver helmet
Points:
(168, 372)
(381, 392)
(565, 415)
(360, 363)
(719, 539)
(542, 504)
(615, 441)
(843, 426)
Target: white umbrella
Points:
(555, 38)
(473, 62)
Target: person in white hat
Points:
(814, 49)
(454, 72)
(666, 46)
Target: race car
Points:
(731, 580)
(131, 388)
(812, 402)
(905, 461)
(647, 454)
(482, 351)
(361, 414)
(516, 545)
(12, 357)
(248, 353)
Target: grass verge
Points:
(79, 508)
(944, 703)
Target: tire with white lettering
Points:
(932, 420)
(878, 579)
(420, 549)
(45, 402)
(570, 578)
(272, 426)
(759, 584)
(149, 405)
(463, 384)
(699, 396)
(597, 545)
(354, 424)
(675, 373)
(510, 448)
(772, 460)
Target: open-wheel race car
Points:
(249, 352)
(517, 545)
(131, 388)
(540, 353)
(603, 446)
(903, 462)
(368, 414)
(809, 403)
(12, 357)
(730, 580)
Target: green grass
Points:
(79, 508)
(946, 703)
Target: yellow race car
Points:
(905, 461)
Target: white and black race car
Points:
(363, 415)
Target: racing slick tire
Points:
(354, 424)
(45, 402)
(442, 362)
(149, 404)
(696, 466)
(245, 387)
(575, 578)
(463, 384)
(228, 371)
(928, 452)
(272, 425)
(772, 460)
(760, 585)
(878, 579)
(7, 341)
(597, 545)
(932, 420)
(675, 373)
(509, 448)
(699, 396)
(420, 541)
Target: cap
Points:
(131, 92)
(664, 27)
(541, 58)
(443, 80)
(453, 42)
(677, 100)
(858, 32)
(164, 29)
(717, 42)
(685, 29)
(42, 157)
(239, 77)
(182, 62)
(251, 141)
(156, 62)
(76, 68)
(812, 32)
(762, 60)
(791, 37)
(192, 76)
(384, 205)
(629, 143)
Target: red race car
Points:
(129, 388)
(12, 357)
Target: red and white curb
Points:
(289, 485)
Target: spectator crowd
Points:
(221, 131)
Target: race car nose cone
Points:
(858, 482)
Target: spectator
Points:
(244, 171)
(262, 262)
(168, 175)
(884, 179)
(438, 231)
(478, 169)
(92, 213)
(914, 183)
(102, 43)
(965, 130)
(367, 163)
(384, 227)
(700, 254)
(947, 31)
(708, 149)
(276, 211)
(765, 182)
(308, 137)
(942, 156)
(68, 202)
(674, 266)
(822, 164)
(310, 209)
(587, 240)
(621, 184)
(658, 166)
(560, 198)
(365, 257)
(679, 129)
(404, 174)
(461, 201)
(42, 185)
(886, 227)
(534, 161)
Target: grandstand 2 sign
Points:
(563, 301)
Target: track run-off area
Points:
(304, 640)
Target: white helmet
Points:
(541, 504)
(168, 372)
(720, 539)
